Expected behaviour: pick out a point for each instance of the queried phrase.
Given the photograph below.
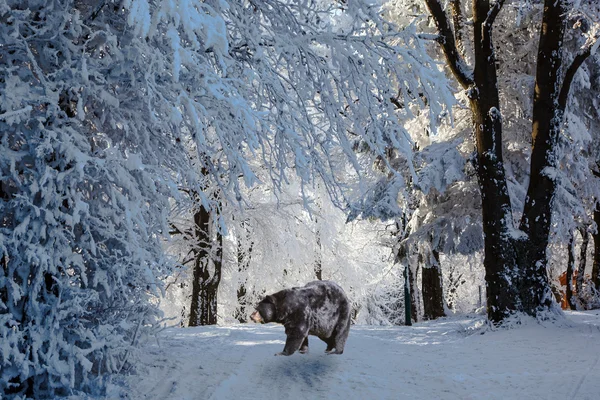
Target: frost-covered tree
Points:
(515, 259)
(86, 160)
(330, 77)
(321, 77)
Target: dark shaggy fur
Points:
(320, 308)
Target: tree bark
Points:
(207, 254)
(547, 120)
(318, 253)
(407, 301)
(414, 292)
(500, 257)
(433, 293)
(570, 268)
(582, 264)
(596, 263)
(402, 257)
(410, 285)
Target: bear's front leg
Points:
(304, 347)
(295, 338)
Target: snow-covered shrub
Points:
(85, 171)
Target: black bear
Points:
(320, 308)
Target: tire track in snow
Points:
(592, 368)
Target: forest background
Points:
(188, 157)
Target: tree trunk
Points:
(407, 302)
(499, 248)
(414, 291)
(207, 254)
(410, 285)
(570, 268)
(402, 257)
(433, 293)
(318, 254)
(4, 272)
(582, 264)
(547, 120)
(4, 275)
(596, 235)
(243, 259)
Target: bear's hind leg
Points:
(330, 344)
(339, 336)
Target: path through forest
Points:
(452, 358)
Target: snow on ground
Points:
(452, 358)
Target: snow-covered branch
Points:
(572, 69)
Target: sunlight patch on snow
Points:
(256, 343)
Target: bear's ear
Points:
(269, 299)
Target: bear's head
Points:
(265, 311)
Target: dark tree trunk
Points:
(582, 264)
(410, 284)
(402, 257)
(596, 263)
(547, 120)
(318, 255)
(5, 221)
(4, 275)
(413, 273)
(207, 257)
(499, 250)
(433, 293)
(407, 301)
(570, 268)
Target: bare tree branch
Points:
(458, 66)
(175, 230)
(492, 14)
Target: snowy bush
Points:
(85, 173)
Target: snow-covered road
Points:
(454, 358)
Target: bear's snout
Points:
(256, 317)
